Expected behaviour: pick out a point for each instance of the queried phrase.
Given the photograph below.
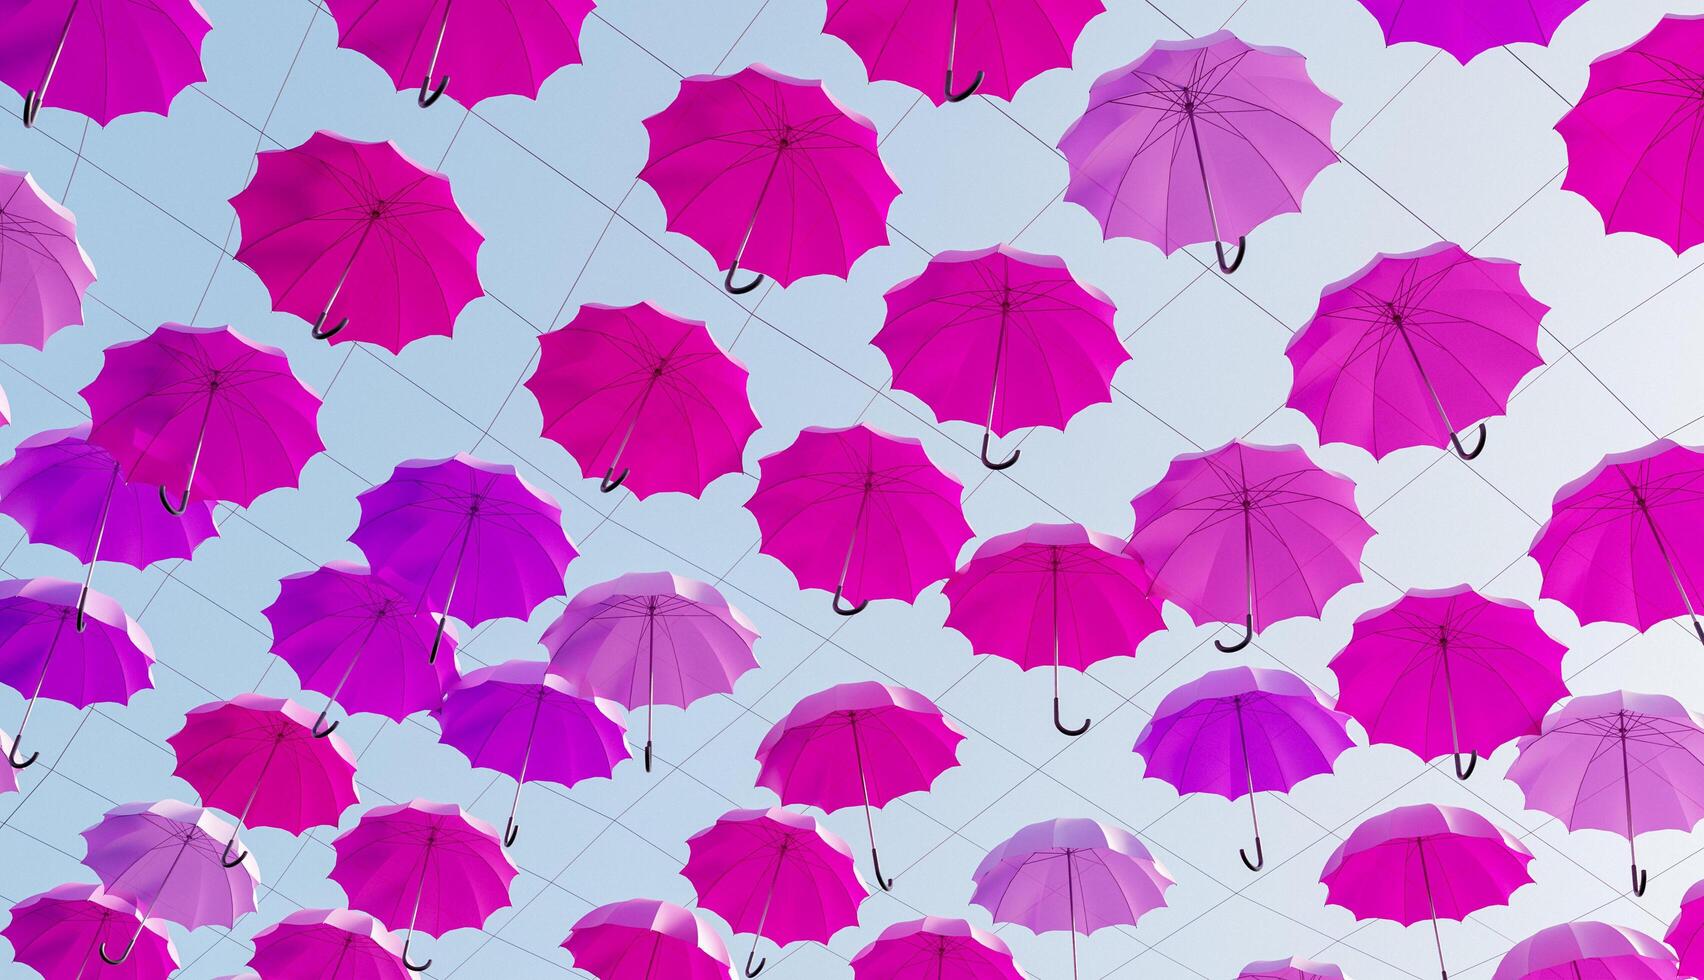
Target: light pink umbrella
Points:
(644, 939)
(901, 519)
(44, 272)
(59, 932)
(1466, 28)
(1250, 533)
(8, 774)
(765, 166)
(328, 944)
(1294, 968)
(934, 948)
(109, 57)
(1002, 338)
(1585, 949)
(1687, 928)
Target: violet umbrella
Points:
(431, 866)
(108, 57)
(1294, 968)
(1413, 347)
(1002, 338)
(933, 948)
(1621, 762)
(59, 932)
(644, 939)
(205, 408)
(1242, 731)
(768, 171)
(328, 944)
(901, 519)
(1073, 874)
(1052, 595)
(776, 874)
(635, 388)
(1250, 533)
(8, 774)
(164, 858)
(864, 743)
(519, 720)
(359, 240)
(1199, 140)
(44, 272)
(1686, 930)
(45, 654)
(1424, 863)
(650, 638)
(1466, 28)
(472, 539)
(1595, 950)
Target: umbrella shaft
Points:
(41, 681)
(1449, 696)
(650, 672)
(1431, 903)
(1071, 911)
(1662, 548)
(999, 364)
(952, 39)
(852, 539)
(1206, 187)
(349, 671)
(1424, 378)
(58, 49)
(101, 525)
(863, 783)
(343, 277)
(638, 409)
(1248, 770)
(757, 207)
(443, 28)
(200, 441)
(1627, 796)
(1248, 564)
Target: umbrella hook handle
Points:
(413, 967)
(608, 485)
(1242, 249)
(34, 98)
(225, 858)
(181, 506)
(1259, 856)
(1462, 451)
(1472, 760)
(740, 290)
(12, 755)
(324, 732)
(429, 95)
(438, 640)
(1059, 724)
(1248, 636)
(126, 954)
(1638, 881)
(847, 610)
(318, 333)
(1003, 464)
(969, 91)
(876, 859)
(752, 971)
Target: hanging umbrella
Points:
(58, 933)
(1405, 350)
(45, 654)
(433, 866)
(650, 638)
(900, 517)
(328, 944)
(1687, 929)
(109, 58)
(436, 522)
(1594, 950)
(1199, 140)
(8, 775)
(353, 637)
(1466, 28)
(44, 272)
(933, 948)
(636, 387)
(1621, 762)
(1002, 338)
(1251, 533)
(1052, 595)
(769, 172)
(1294, 968)
(1442, 670)
(644, 939)
(516, 719)
(752, 863)
(896, 741)
(1072, 874)
(204, 408)
(1243, 730)
(356, 235)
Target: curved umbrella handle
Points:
(319, 322)
(1472, 760)
(1003, 464)
(952, 96)
(32, 106)
(647, 755)
(1248, 637)
(1259, 856)
(1638, 882)
(126, 954)
(511, 830)
(324, 732)
(608, 485)
(438, 640)
(1242, 250)
(83, 601)
(1461, 451)
(12, 757)
(844, 610)
(182, 505)
(728, 281)
(1057, 723)
(427, 96)
(876, 859)
(225, 858)
(752, 971)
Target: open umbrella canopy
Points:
(1596, 950)
(644, 939)
(1686, 930)
(101, 58)
(933, 948)
(1467, 28)
(328, 944)
(44, 271)
(59, 933)
(1294, 968)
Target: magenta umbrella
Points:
(1294, 968)
(1405, 350)
(1596, 950)
(650, 638)
(1002, 338)
(1687, 928)
(1053, 595)
(340, 228)
(776, 874)
(205, 406)
(644, 939)
(1199, 140)
(328, 944)
(44, 272)
(519, 720)
(1466, 28)
(765, 165)
(1425, 862)
(900, 517)
(934, 948)
(58, 932)
(1622, 762)
(432, 865)
(1243, 730)
(896, 740)
(111, 57)
(637, 387)
(1256, 533)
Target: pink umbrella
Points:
(117, 56)
(1684, 933)
(750, 863)
(644, 939)
(763, 163)
(1053, 595)
(932, 948)
(650, 638)
(1002, 338)
(900, 517)
(205, 406)
(436, 520)
(1294, 968)
(1010, 42)
(340, 228)
(1243, 730)
(1105, 876)
(432, 865)
(638, 385)
(351, 636)
(494, 47)
(1440, 670)
(58, 932)
(328, 944)
(1199, 140)
(165, 858)
(43, 271)
(498, 716)
(257, 757)
(1465, 28)
(1402, 351)
(8, 777)
(1425, 862)
(1293, 526)
(897, 741)
(1621, 762)
(1596, 950)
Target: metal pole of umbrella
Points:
(144, 910)
(34, 100)
(851, 544)
(864, 788)
(650, 675)
(1057, 723)
(426, 98)
(455, 577)
(1455, 440)
(348, 672)
(29, 706)
(610, 481)
(952, 56)
(783, 141)
(1627, 795)
(762, 917)
(317, 330)
(1644, 506)
(1071, 910)
(994, 391)
(1248, 577)
(1248, 769)
(1449, 700)
(414, 916)
(1431, 905)
(95, 553)
(1189, 107)
(195, 460)
(225, 857)
(512, 830)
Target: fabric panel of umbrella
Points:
(44, 272)
(1467, 28)
(1586, 950)
(302, 943)
(645, 939)
(59, 932)
(109, 57)
(933, 948)
(1294, 968)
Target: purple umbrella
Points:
(1243, 730)
(644, 939)
(328, 944)
(58, 932)
(932, 948)
(1465, 28)
(1686, 930)
(1294, 968)
(1590, 950)
(43, 271)
(111, 57)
